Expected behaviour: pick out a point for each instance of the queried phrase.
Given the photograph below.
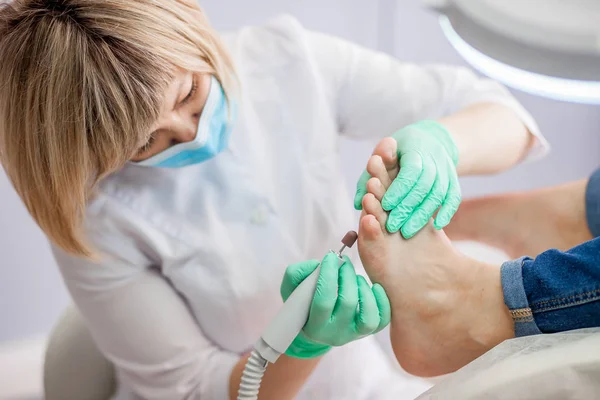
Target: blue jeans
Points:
(558, 291)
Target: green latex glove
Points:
(427, 180)
(343, 309)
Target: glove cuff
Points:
(304, 348)
(439, 132)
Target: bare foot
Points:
(525, 223)
(446, 308)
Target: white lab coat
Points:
(193, 257)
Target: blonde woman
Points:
(175, 188)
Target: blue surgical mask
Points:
(212, 137)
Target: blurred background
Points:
(31, 292)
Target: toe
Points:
(372, 206)
(387, 149)
(370, 229)
(376, 169)
(375, 187)
(372, 248)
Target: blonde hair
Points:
(81, 83)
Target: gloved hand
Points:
(344, 307)
(427, 180)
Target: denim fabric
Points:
(592, 203)
(558, 291)
(515, 298)
(563, 288)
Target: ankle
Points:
(491, 322)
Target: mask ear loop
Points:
(208, 111)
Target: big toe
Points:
(372, 247)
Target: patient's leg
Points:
(526, 223)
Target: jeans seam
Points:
(523, 319)
(569, 297)
(565, 302)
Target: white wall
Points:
(31, 293)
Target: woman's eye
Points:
(191, 93)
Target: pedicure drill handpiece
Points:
(284, 328)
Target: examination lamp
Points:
(550, 48)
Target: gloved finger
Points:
(411, 166)
(361, 189)
(367, 319)
(450, 204)
(383, 305)
(347, 300)
(294, 275)
(326, 295)
(424, 212)
(414, 198)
